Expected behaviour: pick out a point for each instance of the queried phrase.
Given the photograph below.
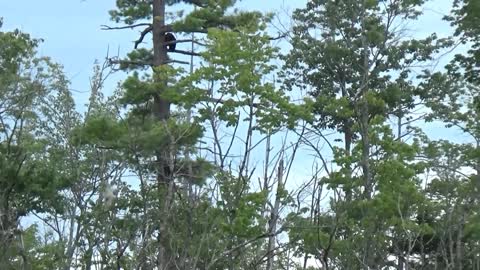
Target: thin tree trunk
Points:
(477, 167)
(312, 216)
(274, 217)
(459, 244)
(364, 133)
(401, 262)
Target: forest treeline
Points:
(220, 150)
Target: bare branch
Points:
(199, 3)
(142, 35)
(186, 52)
(246, 243)
(221, 101)
(284, 35)
(177, 61)
(112, 61)
(106, 27)
(185, 41)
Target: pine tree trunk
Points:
(161, 110)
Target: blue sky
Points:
(71, 30)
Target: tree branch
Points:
(279, 37)
(176, 61)
(140, 63)
(221, 101)
(106, 27)
(199, 3)
(128, 62)
(185, 41)
(142, 35)
(186, 52)
(246, 243)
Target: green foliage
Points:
(357, 71)
(29, 178)
(137, 177)
(130, 11)
(238, 62)
(99, 130)
(137, 59)
(464, 18)
(214, 15)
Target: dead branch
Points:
(176, 61)
(185, 41)
(279, 37)
(140, 63)
(106, 27)
(186, 52)
(246, 243)
(221, 101)
(199, 3)
(142, 35)
(112, 61)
